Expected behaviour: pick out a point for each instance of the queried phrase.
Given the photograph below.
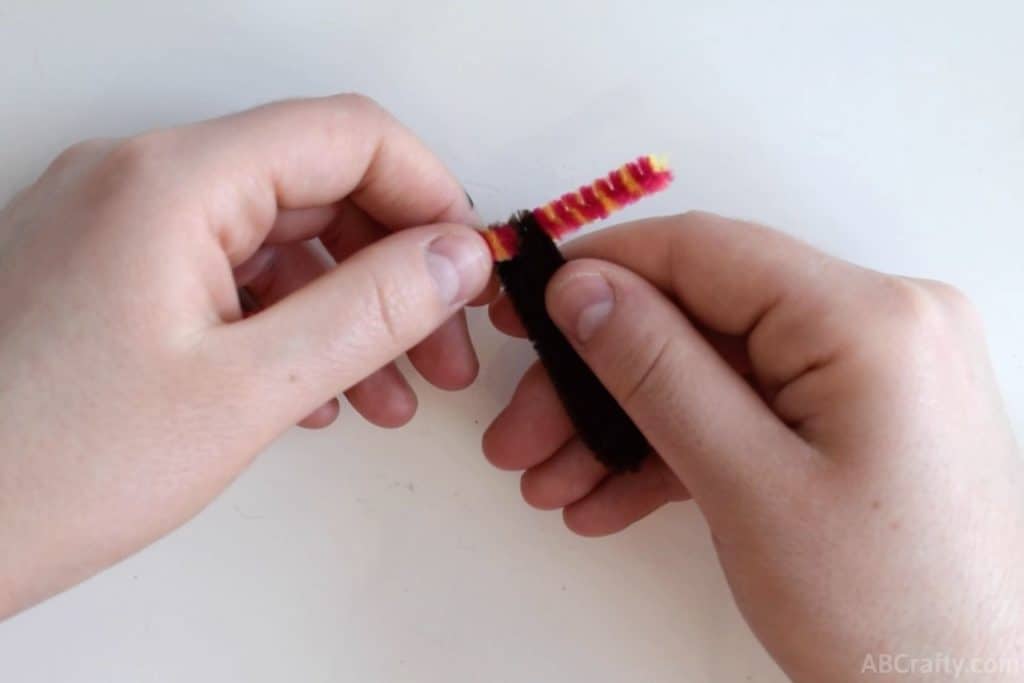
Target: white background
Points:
(891, 133)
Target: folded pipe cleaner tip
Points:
(560, 217)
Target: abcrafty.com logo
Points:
(939, 665)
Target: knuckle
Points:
(651, 377)
(916, 326)
(342, 120)
(387, 308)
(909, 305)
(696, 216)
(16, 199)
(316, 110)
(122, 167)
(136, 156)
(922, 309)
(697, 219)
(360, 111)
(78, 153)
(358, 102)
(952, 299)
(692, 220)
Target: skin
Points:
(134, 391)
(840, 430)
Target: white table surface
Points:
(891, 133)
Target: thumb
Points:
(704, 420)
(339, 329)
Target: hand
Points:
(132, 391)
(840, 430)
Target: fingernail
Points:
(459, 266)
(472, 217)
(583, 304)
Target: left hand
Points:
(132, 391)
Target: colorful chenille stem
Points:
(560, 217)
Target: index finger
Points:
(309, 153)
(793, 303)
(727, 273)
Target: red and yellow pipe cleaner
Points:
(560, 217)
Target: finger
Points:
(731, 348)
(351, 230)
(446, 358)
(624, 499)
(254, 266)
(293, 225)
(313, 153)
(384, 398)
(565, 477)
(746, 280)
(323, 416)
(276, 273)
(337, 330)
(726, 273)
(704, 420)
(531, 428)
(490, 293)
(504, 317)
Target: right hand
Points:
(840, 429)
